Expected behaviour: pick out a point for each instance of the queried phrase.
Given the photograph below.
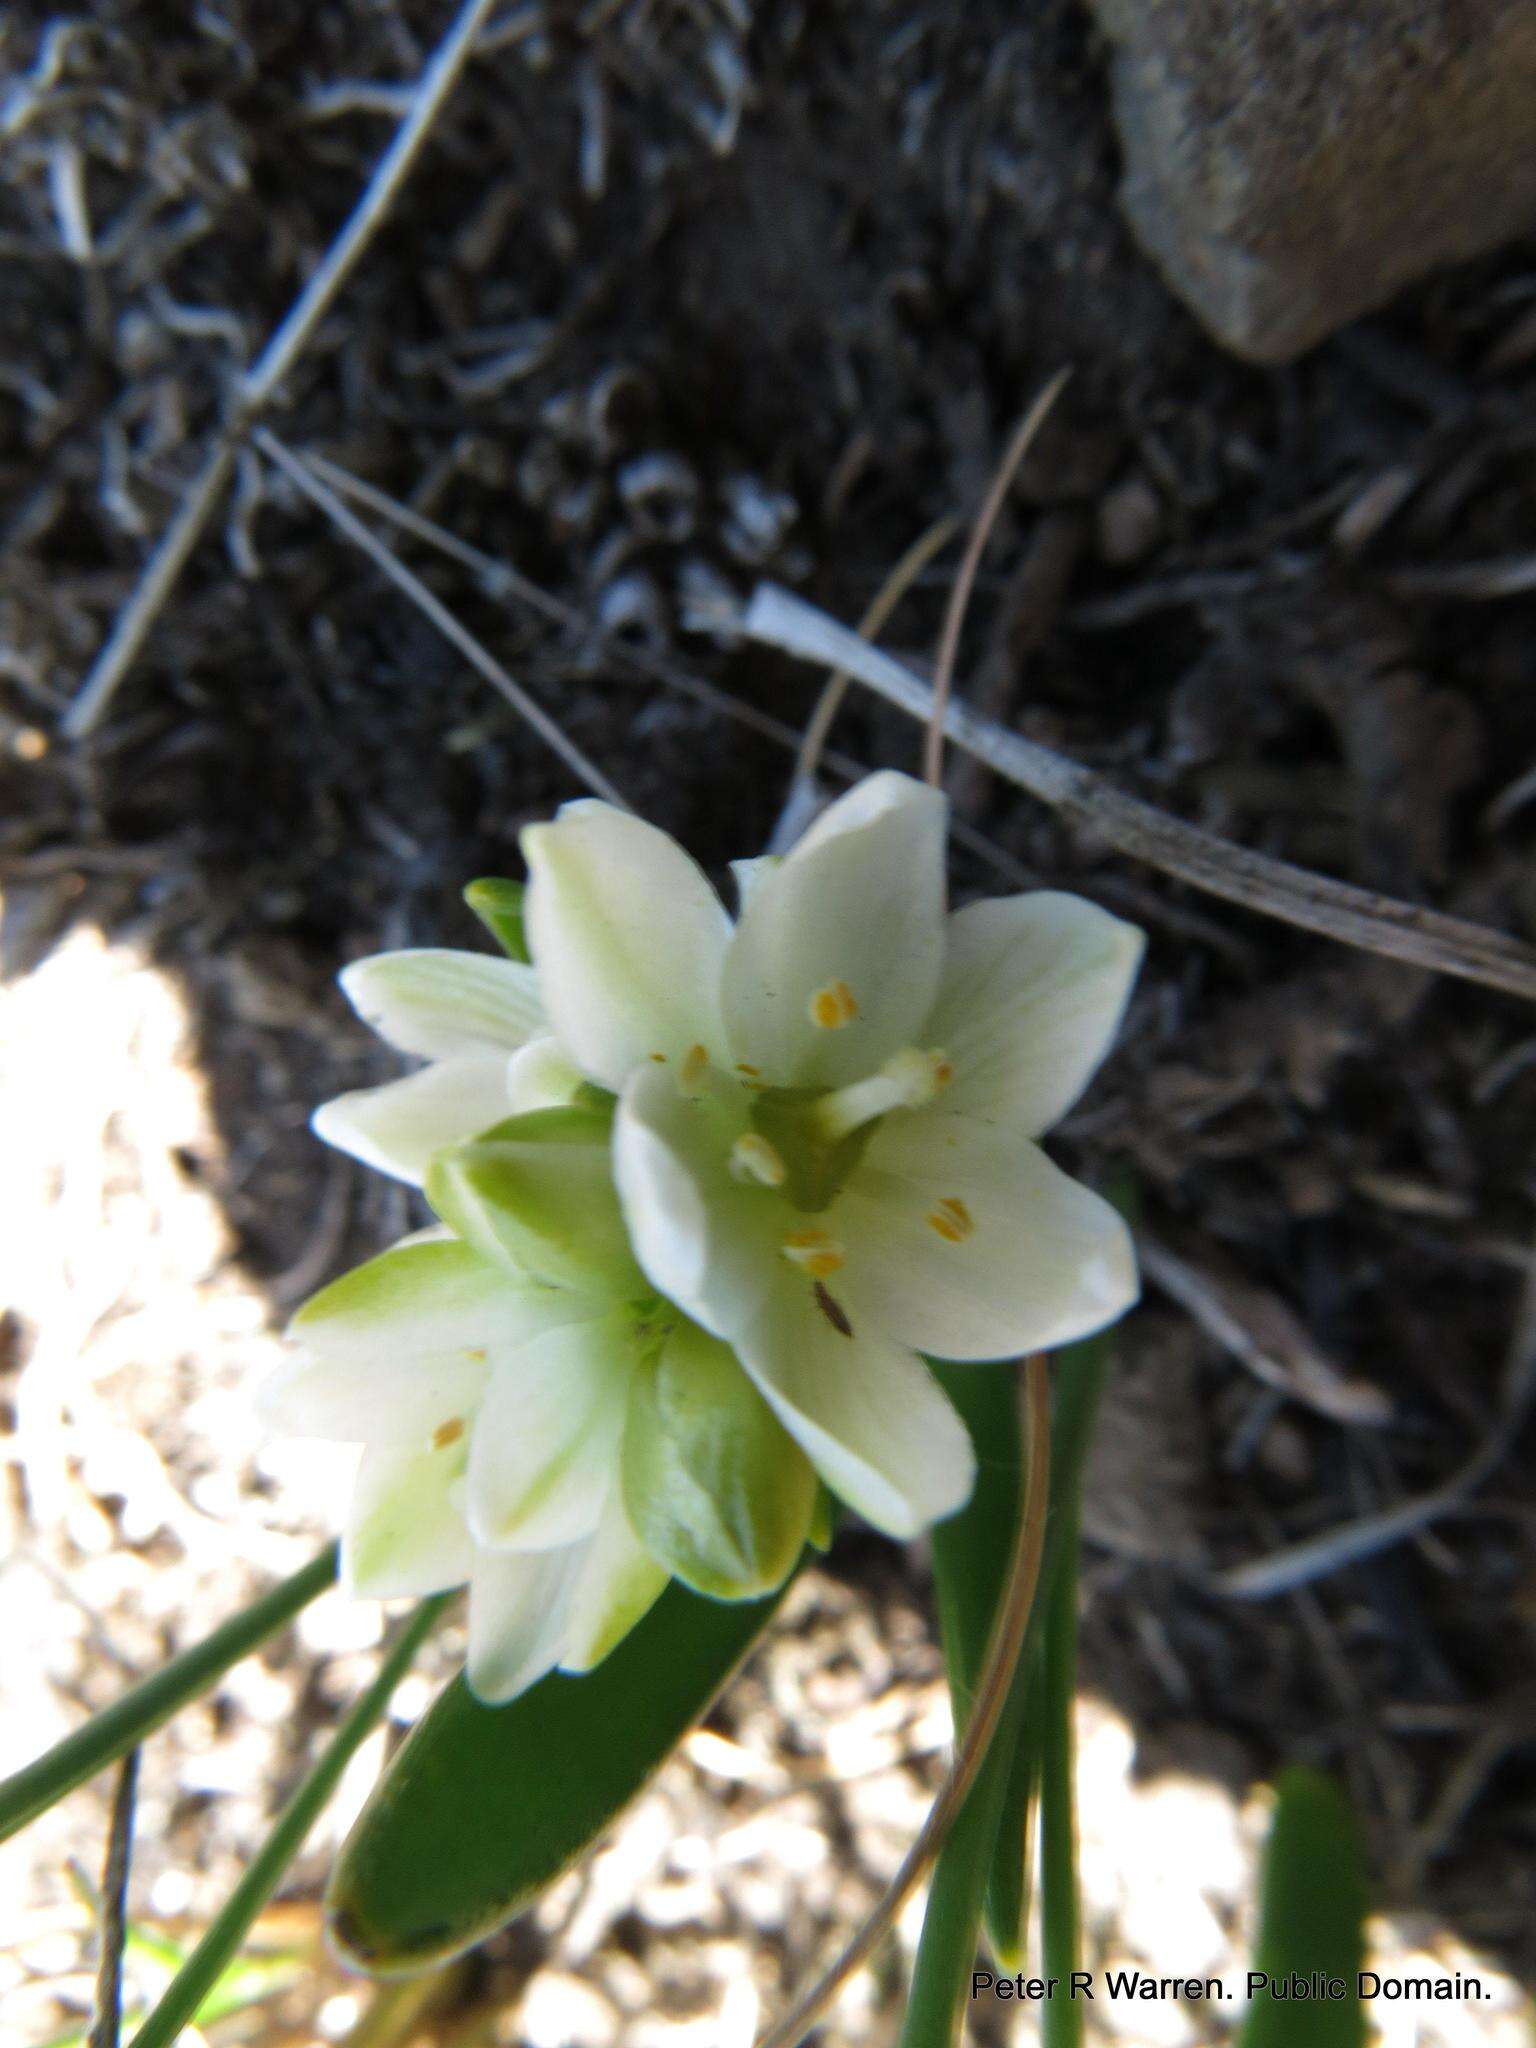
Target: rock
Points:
(1290, 163)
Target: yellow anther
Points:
(943, 1069)
(447, 1433)
(746, 1067)
(832, 1007)
(951, 1219)
(815, 1251)
(660, 1058)
(693, 1070)
(753, 1158)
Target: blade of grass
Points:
(1061, 2020)
(178, 2004)
(946, 1953)
(970, 1554)
(1078, 1374)
(1311, 1918)
(124, 1725)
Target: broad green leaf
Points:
(1311, 1918)
(499, 906)
(485, 1806)
(715, 1487)
(122, 1726)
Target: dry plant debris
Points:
(679, 297)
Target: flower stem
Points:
(122, 1726)
(197, 1976)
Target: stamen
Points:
(693, 1071)
(832, 1007)
(909, 1080)
(951, 1219)
(753, 1158)
(447, 1433)
(816, 1252)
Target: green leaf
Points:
(537, 1192)
(499, 906)
(971, 1550)
(122, 1726)
(715, 1487)
(1311, 1918)
(203, 1970)
(1078, 1373)
(1061, 2019)
(485, 1806)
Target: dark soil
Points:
(1210, 582)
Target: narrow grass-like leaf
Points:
(1077, 1376)
(485, 1806)
(184, 1995)
(971, 1548)
(970, 1557)
(1061, 2019)
(1311, 1919)
(120, 1727)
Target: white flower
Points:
(534, 1420)
(824, 1142)
(789, 1156)
(479, 1024)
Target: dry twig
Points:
(457, 635)
(107, 2020)
(1262, 1333)
(1296, 1564)
(965, 577)
(1354, 916)
(271, 367)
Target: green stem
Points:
(122, 1726)
(1061, 2016)
(946, 1954)
(197, 1976)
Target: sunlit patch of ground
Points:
(141, 1504)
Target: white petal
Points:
(628, 938)
(539, 1076)
(546, 1440)
(866, 1411)
(1033, 991)
(705, 1240)
(617, 1584)
(519, 1602)
(436, 1002)
(394, 1400)
(405, 1534)
(858, 906)
(964, 1241)
(746, 874)
(404, 1343)
(398, 1127)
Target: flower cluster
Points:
(707, 1192)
